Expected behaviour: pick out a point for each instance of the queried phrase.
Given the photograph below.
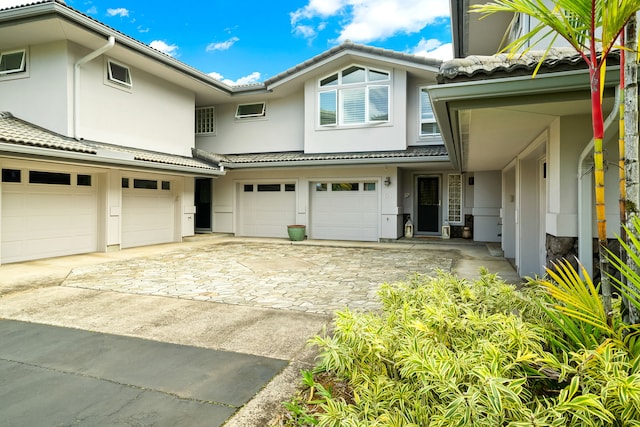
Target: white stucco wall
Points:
(280, 130)
(568, 136)
(508, 212)
(32, 96)
(487, 195)
(158, 116)
(384, 136)
(187, 207)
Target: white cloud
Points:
(321, 8)
(246, 80)
(306, 31)
(222, 45)
(120, 11)
(169, 49)
(92, 10)
(435, 49)
(365, 21)
(142, 29)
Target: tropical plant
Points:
(592, 27)
(629, 282)
(450, 352)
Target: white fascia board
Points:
(37, 153)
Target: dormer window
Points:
(118, 73)
(355, 95)
(244, 111)
(13, 62)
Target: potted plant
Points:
(296, 232)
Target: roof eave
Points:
(340, 162)
(23, 151)
(450, 98)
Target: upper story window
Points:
(355, 95)
(428, 125)
(14, 61)
(206, 120)
(118, 73)
(244, 111)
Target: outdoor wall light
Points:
(387, 181)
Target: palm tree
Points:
(632, 174)
(592, 27)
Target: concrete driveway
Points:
(164, 308)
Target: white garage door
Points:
(47, 214)
(148, 212)
(344, 210)
(265, 210)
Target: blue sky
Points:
(251, 41)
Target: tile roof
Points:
(16, 131)
(420, 153)
(19, 132)
(504, 65)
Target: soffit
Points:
(493, 137)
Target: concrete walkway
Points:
(253, 299)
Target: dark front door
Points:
(428, 204)
(203, 204)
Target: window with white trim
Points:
(118, 73)
(245, 111)
(14, 61)
(428, 125)
(455, 198)
(355, 95)
(206, 120)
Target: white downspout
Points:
(585, 222)
(76, 82)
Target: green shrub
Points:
(450, 352)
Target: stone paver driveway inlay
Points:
(318, 279)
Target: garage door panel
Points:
(344, 215)
(265, 213)
(147, 217)
(46, 221)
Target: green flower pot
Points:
(296, 232)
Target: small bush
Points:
(450, 352)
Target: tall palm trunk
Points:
(632, 187)
(598, 160)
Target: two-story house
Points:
(530, 138)
(106, 143)
(345, 143)
(96, 133)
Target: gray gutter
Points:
(22, 151)
(450, 98)
(294, 163)
(457, 9)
